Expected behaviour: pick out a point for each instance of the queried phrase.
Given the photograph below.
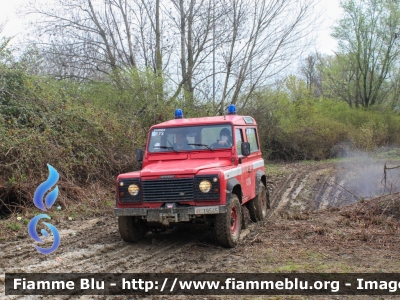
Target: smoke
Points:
(362, 175)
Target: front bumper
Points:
(176, 214)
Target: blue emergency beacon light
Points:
(232, 109)
(178, 114)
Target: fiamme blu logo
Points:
(44, 204)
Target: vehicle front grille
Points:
(167, 190)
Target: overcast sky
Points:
(325, 43)
(8, 10)
(330, 13)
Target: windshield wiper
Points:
(202, 145)
(165, 147)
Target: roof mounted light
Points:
(178, 114)
(232, 109)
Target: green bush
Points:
(12, 84)
(370, 136)
(83, 142)
(314, 129)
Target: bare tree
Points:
(193, 21)
(338, 74)
(310, 71)
(368, 35)
(265, 37)
(95, 34)
(247, 42)
(2, 27)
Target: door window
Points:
(239, 140)
(252, 139)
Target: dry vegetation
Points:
(360, 237)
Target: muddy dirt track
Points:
(310, 228)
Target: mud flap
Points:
(259, 175)
(244, 220)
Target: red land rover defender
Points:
(196, 170)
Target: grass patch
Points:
(392, 154)
(290, 267)
(312, 255)
(14, 226)
(277, 169)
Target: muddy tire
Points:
(131, 229)
(259, 205)
(228, 225)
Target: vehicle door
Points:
(255, 156)
(245, 165)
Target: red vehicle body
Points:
(208, 181)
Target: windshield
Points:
(205, 137)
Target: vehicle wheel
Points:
(228, 225)
(259, 205)
(132, 229)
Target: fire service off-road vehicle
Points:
(195, 170)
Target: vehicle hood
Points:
(181, 167)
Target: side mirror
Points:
(245, 148)
(139, 156)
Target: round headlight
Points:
(133, 189)
(205, 186)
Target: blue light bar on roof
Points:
(178, 114)
(232, 109)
